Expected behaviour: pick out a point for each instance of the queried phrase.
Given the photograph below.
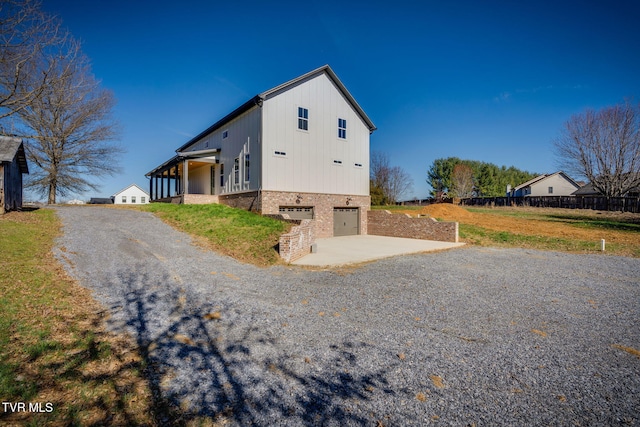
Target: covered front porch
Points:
(188, 177)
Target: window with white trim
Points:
(133, 199)
(246, 168)
(143, 199)
(550, 190)
(303, 118)
(236, 170)
(124, 199)
(342, 128)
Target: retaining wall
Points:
(384, 223)
(297, 242)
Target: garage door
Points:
(297, 212)
(345, 221)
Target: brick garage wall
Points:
(323, 205)
(297, 243)
(384, 223)
(248, 201)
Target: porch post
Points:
(162, 185)
(175, 180)
(151, 187)
(156, 187)
(185, 184)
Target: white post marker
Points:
(602, 245)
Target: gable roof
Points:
(10, 147)
(258, 99)
(128, 187)
(542, 177)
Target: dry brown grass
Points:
(547, 223)
(629, 350)
(56, 348)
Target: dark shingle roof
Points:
(10, 147)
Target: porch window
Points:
(246, 168)
(236, 171)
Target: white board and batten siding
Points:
(316, 160)
(235, 139)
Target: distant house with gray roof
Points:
(555, 184)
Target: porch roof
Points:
(182, 156)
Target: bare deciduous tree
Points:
(604, 147)
(393, 181)
(462, 180)
(69, 129)
(26, 35)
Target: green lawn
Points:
(53, 350)
(246, 236)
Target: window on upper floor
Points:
(225, 134)
(550, 190)
(342, 128)
(303, 118)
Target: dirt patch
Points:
(564, 223)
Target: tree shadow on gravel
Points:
(208, 360)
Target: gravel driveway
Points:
(473, 336)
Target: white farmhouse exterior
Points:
(131, 195)
(301, 148)
(555, 184)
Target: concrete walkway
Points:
(344, 250)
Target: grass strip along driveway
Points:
(56, 358)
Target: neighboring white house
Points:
(301, 148)
(555, 184)
(131, 195)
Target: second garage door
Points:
(345, 221)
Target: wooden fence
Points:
(600, 203)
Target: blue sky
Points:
(481, 80)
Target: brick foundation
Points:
(297, 242)
(384, 223)
(323, 205)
